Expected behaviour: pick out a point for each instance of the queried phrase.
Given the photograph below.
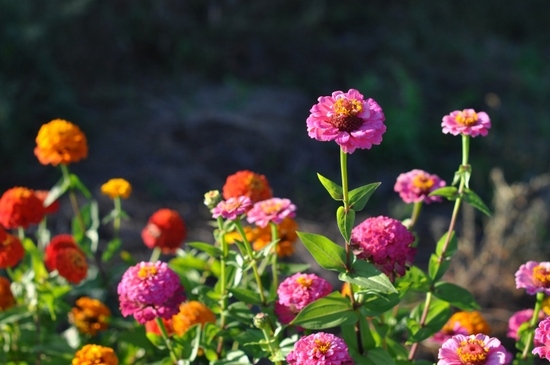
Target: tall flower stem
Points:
(117, 219)
(532, 325)
(274, 266)
(417, 207)
(166, 339)
(72, 197)
(223, 282)
(155, 255)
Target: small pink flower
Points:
(232, 207)
(534, 277)
(474, 349)
(348, 119)
(415, 185)
(320, 349)
(542, 339)
(519, 318)
(386, 243)
(149, 290)
(466, 122)
(271, 210)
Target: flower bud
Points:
(212, 198)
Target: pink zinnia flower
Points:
(386, 243)
(296, 292)
(534, 277)
(415, 185)
(232, 207)
(149, 290)
(542, 339)
(320, 349)
(271, 210)
(519, 318)
(348, 119)
(474, 349)
(466, 122)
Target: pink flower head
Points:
(415, 185)
(348, 119)
(477, 349)
(271, 210)
(232, 207)
(320, 349)
(386, 243)
(296, 292)
(542, 339)
(149, 290)
(534, 277)
(466, 122)
(519, 318)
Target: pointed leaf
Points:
(456, 296)
(327, 312)
(246, 295)
(56, 191)
(345, 222)
(366, 275)
(438, 314)
(113, 246)
(37, 261)
(452, 245)
(437, 269)
(359, 197)
(448, 192)
(333, 189)
(211, 250)
(78, 185)
(328, 254)
(475, 201)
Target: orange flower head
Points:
(57, 244)
(19, 207)
(90, 316)
(117, 188)
(153, 327)
(191, 313)
(60, 142)
(470, 322)
(346, 289)
(546, 305)
(95, 355)
(165, 229)
(250, 233)
(6, 296)
(286, 231)
(11, 250)
(247, 183)
(71, 264)
(42, 195)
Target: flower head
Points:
(19, 207)
(542, 339)
(50, 208)
(11, 250)
(247, 183)
(153, 327)
(96, 355)
(296, 292)
(415, 185)
(463, 323)
(476, 349)
(165, 229)
(519, 318)
(149, 290)
(534, 277)
(386, 243)
(60, 142)
(71, 264)
(117, 188)
(57, 243)
(7, 299)
(467, 122)
(286, 231)
(320, 349)
(212, 198)
(232, 207)
(348, 119)
(271, 210)
(90, 316)
(191, 313)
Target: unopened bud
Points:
(212, 198)
(261, 321)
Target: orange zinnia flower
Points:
(6, 296)
(153, 327)
(19, 207)
(11, 250)
(191, 313)
(96, 355)
(470, 322)
(90, 316)
(247, 183)
(117, 188)
(60, 142)
(287, 236)
(165, 229)
(42, 195)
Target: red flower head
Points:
(63, 255)
(165, 229)
(11, 250)
(19, 207)
(58, 243)
(42, 195)
(247, 183)
(6, 296)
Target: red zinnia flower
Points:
(19, 207)
(11, 250)
(63, 255)
(165, 229)
(247, 183)
(6, 296)
(58, 243)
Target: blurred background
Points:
(176, 95)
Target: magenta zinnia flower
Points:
(466, 122)
(542, 339)
(149, 290)
(319, 349)
(386, 243)
(232, 207)
(348, 119)
(534, 277)
(415, 185)
(474, 349)
(296, 292)
(271, 210)
(519, 318)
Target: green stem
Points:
(155, 254)
(117, 219)
(223, 282)
(275, 257)
(166, 339)
(532, 325)
(72, 197)
(417, 207)
(21, 233)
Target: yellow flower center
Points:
(305, 282)
(472, 352)
(466, 118)
(322, 346)
(347, 107)
(147, 271)
(423, 182)
(271, 207)
(541, 276)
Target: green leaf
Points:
(290, 268)
(451, 248)
(345, 222)
(448, 192)
(246, 295)
(437, 269)
(235, 357)
(328, 254)
(374, 304)
(359, 197)
(211, 250)
(456, 296)
(37, 262)
(379, 356)
(475, 201)
(78, 185)
(366, 275)
(14, 315)
(439, 313)
(350, 337)
(113, 246)
(333, 189)
(327, 312)
(56, 191)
